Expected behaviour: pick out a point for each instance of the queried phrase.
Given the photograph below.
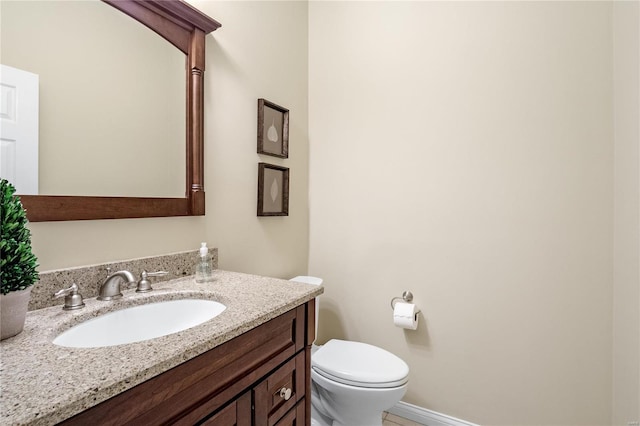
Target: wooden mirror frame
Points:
(185, 27)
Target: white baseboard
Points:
(426, 417)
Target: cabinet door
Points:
(279, 392)
(237, 413)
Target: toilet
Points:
(352, 383)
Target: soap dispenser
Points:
(204, 269)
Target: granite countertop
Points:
(43, 384)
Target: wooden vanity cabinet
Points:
(260, 378)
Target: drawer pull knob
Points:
(285, 393)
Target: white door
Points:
(19, 129)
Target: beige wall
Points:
(248, 58)
(464, 151)
(626, 290)
(260, 52)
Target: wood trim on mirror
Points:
(185, 27)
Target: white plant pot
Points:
(13, 311)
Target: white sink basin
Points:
(140, 323)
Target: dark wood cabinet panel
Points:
(297, 416)
(237, 413)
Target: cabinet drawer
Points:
(295, 417)
(279, 392)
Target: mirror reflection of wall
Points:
(112, 109)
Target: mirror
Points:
(107, 132)
(184, 28)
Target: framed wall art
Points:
(273, 190)
(273, 129)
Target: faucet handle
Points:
(144, 285)
(72, 299)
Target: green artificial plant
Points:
(17, 262)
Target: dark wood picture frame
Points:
(273, 190)
(273, 129)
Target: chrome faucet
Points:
(110, 288)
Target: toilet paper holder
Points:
(407, 296)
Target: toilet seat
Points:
(359, 364)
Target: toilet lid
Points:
(359, 364)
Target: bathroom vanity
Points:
(264, 368)
(248, 366)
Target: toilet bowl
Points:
(352, 383)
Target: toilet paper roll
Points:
(405, 315)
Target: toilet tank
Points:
(313, 281)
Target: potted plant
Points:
(17, 262)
